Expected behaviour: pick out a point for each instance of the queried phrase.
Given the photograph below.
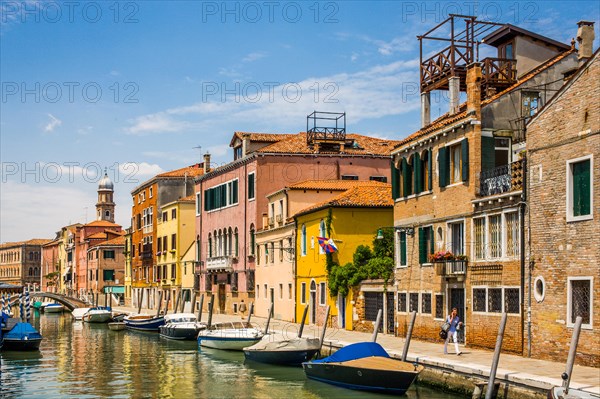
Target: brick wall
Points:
(567, 129)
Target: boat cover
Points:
(278, 342)
(355, 351)
(21, 330)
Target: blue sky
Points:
(134, 86)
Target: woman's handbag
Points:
(445, 327)
(443, 334)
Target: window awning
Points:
(115, 289)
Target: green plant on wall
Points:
(366, 264)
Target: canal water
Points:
(80, 360)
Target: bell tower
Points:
(105, 207)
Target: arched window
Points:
(321, 234)
(236, 246)
(198, 248)
(107, 214)
(210, 247)
(30, 272)
(252, 239)
(230, 242)
(303, 240)
(30, 255)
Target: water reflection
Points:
(78, 360)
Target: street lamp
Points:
(408, 230)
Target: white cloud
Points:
(254, 56)
(53, 124)
(132, 169)
(26, 215)
(379, 91)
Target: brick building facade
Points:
(564, 206)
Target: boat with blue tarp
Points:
(18, 336)
(364, 366)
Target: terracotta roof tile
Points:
(111, 243)
(33, 241)
(448, 119)
(333, 185)
(360, 196)
(192, 171)
(97, 236)
(102, 223)
(364, 145)
(261, 137)
(189, 198)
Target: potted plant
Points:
(440, 258)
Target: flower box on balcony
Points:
(440, 268)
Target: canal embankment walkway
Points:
(518, 376)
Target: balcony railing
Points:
(224, 263)
(451, 268)
(279, 219)
(271, 221)
(503, 179)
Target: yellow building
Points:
(350, 219)
(175, 235)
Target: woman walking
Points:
(455, 324)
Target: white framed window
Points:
(251, 185)
(402, 302)
(150, 192)
(580, 297)
(413, 302)
(456, 234)
(439, 306)
(496, 300)
(426, 302)
(322, 294)
(580, 198)
(496, 236)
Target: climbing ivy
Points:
(366, 264)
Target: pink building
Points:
(232, 199)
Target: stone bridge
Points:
(69, 302)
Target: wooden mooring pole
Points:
(324, 327)
(490, 393)
(269, 318)
(377, 323)
(303, 321)
(413, 317)
(210, 310)
(250, 311)
(200, 308)
(160, 295)
(193, 307)
(572, 354)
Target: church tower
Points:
(105, 208)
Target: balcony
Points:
(503, 179)
(279, 219)
(220, 263)
(451, 268)
(271, 221)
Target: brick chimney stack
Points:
(474, 90)
(206, 163)
(585, 37)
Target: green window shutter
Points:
(430, 170)
(444, 166)
(403, 248)
(418, 173)
(405, 178)
(464, 146)
(235, 191)
(488, 153)
(251, 186)
(581, 188)
(422, 246)
(395, 180)
(206, 201)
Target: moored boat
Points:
(277, 349)
(78, 313)
(364, 366)
(144, 322)
(181, 326)
(116, 325)
(54, 308)
(230, 335)
(22, 337)
(97, 315)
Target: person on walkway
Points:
(243, 309)
(455, 324)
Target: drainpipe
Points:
(523, 208)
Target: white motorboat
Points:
(54, 308)
(97, 315)
(181, 326)
(79, 312)
(230, 335)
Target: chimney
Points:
(454, 88)
(425, 109)
(245, 144)
(585, 37)
(207, 162)
(474, 90)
